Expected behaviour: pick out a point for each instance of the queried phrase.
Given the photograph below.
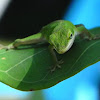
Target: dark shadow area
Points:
(23, 18)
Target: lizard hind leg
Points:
(1, 46)
(17, 43)
(96, 37)
(6, 47)
(85, 33)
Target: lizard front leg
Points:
(55, 60)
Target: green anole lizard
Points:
(59, 34)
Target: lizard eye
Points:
(71, 36)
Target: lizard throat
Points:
(68, 46)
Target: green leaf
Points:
(29, 69)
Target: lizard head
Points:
(62, 39)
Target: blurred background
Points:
(21, 18)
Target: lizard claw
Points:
(57, 65)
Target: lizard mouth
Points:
(65, 49)
(70, 43)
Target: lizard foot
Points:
(1, 46)
(57, 65)
(6, 47)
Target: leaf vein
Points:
(25, 60)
